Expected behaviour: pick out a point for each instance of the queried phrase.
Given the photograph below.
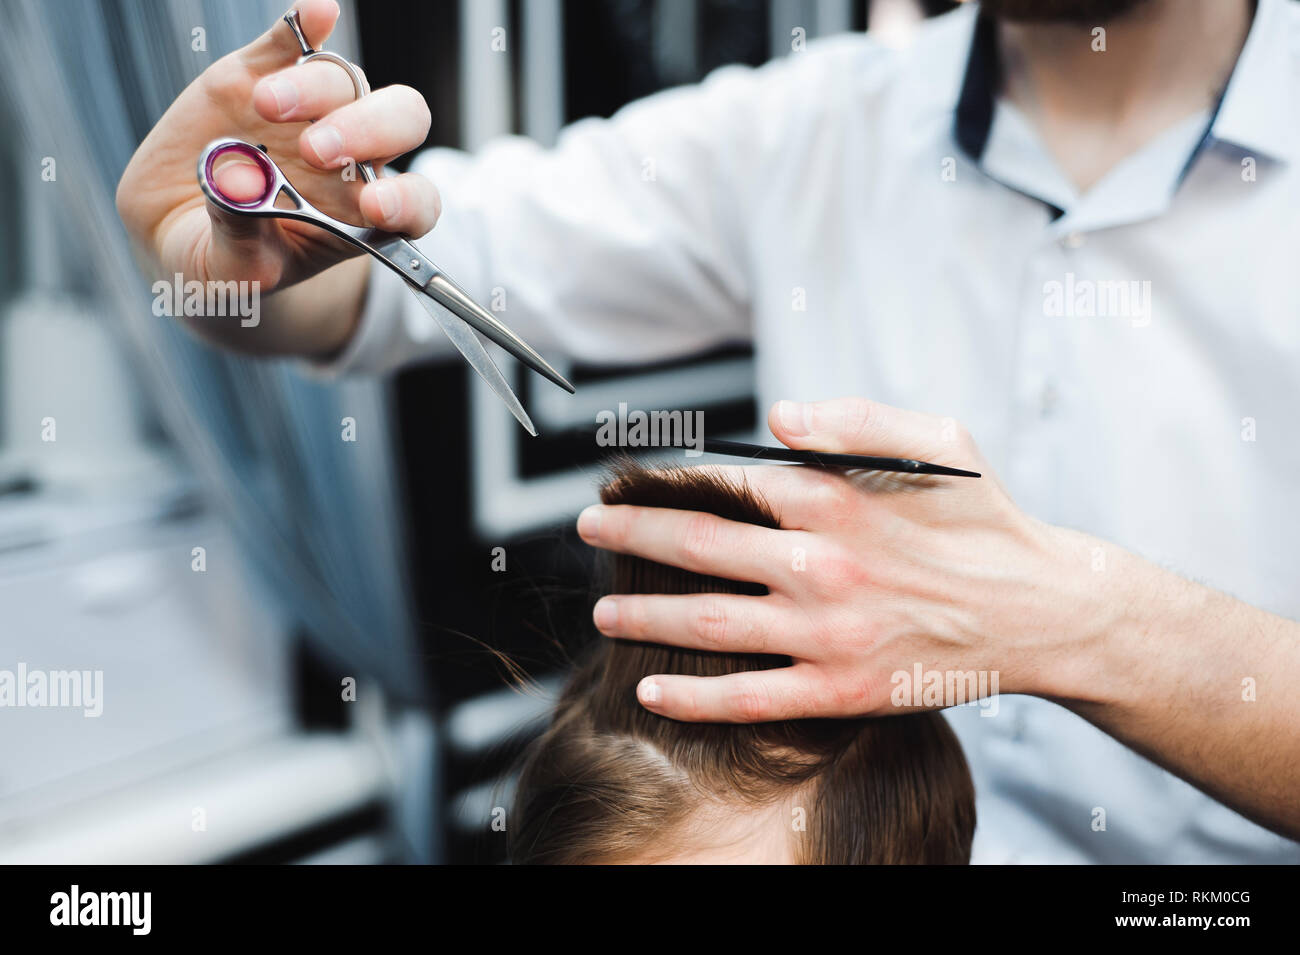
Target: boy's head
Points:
(610, 781)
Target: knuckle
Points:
(859, 418)
(829, 493)
(748, 700)
(688, 704)
(225, 80)
(412, 104)
(851, 695)
(954, 434)
(700, 536)
(711, 624)
(811, 701)
(838, 571)
(965, 440)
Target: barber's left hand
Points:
(869, 575)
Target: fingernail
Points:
(647, 691)
(606, 614)
(285, 95)
(589, 521)
(794, 417)
(326, 142)
(389, 198)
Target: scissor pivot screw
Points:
(415, 265)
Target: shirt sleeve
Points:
(624, 242)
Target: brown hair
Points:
(610, 781)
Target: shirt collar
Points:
(1258, 108)
(1255, 113)
(973, 117)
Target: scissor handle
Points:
(359, 85)
(263, 204)
(391, 249)
(271, 175)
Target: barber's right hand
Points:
(312, 126)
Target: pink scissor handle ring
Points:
(392, 249)
(272, 177)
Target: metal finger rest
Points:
(359, 85)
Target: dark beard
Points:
(1082, 12)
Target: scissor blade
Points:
(451, 296)
(463, 337)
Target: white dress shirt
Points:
(878, 224)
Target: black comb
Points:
(758, 452)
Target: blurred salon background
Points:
(295, 630)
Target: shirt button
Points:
(1074, 240)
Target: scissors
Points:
(431, 285)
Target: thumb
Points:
(860, 426)
(242, 246)
(276, 48)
